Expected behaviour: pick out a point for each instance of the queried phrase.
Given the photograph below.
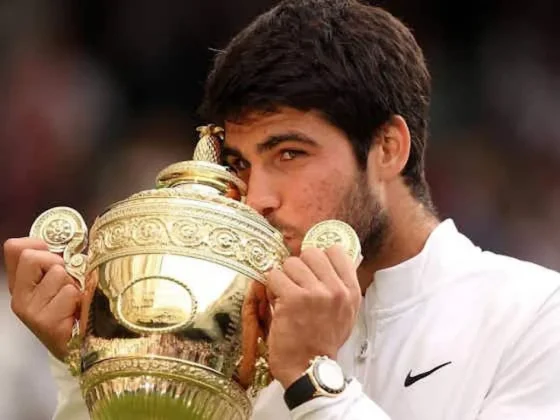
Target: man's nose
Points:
(261, 195)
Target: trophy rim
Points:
(186, 171)
(256, 246)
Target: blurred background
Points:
(98, 96)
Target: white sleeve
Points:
(352, 404)
(70, 404)
(527, 384)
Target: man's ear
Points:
(391, 149)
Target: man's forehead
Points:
(259, 120)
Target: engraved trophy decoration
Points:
(169, 281)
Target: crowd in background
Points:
(98, 96)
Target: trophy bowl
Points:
(174, 314)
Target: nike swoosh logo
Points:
(412, 379)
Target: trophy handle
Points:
(65, 232)
(262, 376)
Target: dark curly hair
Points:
(355, 64)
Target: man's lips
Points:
(293, 244)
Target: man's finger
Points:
(343, 265)
(271, 299)
(30, 270)
(12, 252)
(280, 284)
(66, 303)
(51, 284)
(320, 265)
(297, 271)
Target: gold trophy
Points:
(174, 315)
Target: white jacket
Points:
(454, 333)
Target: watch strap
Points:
(301, 391)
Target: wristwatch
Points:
(323, 378)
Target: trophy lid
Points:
(204, 169)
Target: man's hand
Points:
(44, 296)
(315, 301)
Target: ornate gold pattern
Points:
(169, 374)
(61, 227)
(74, 358)
(262, 371)
(167, 368)
(189, 228)
(330, 232)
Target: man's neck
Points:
(407, 233)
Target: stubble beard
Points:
(361, 209)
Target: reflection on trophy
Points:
(174, 318)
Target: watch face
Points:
(329, 375)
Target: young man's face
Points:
(301, 170)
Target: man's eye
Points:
(238, 164)
(290, 154)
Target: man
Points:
(325, 105)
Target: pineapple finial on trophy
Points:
(209, 145)
(205, 171)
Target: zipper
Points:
(366, 342)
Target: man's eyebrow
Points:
(274, 140)
(228, 151)
(270, 143)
